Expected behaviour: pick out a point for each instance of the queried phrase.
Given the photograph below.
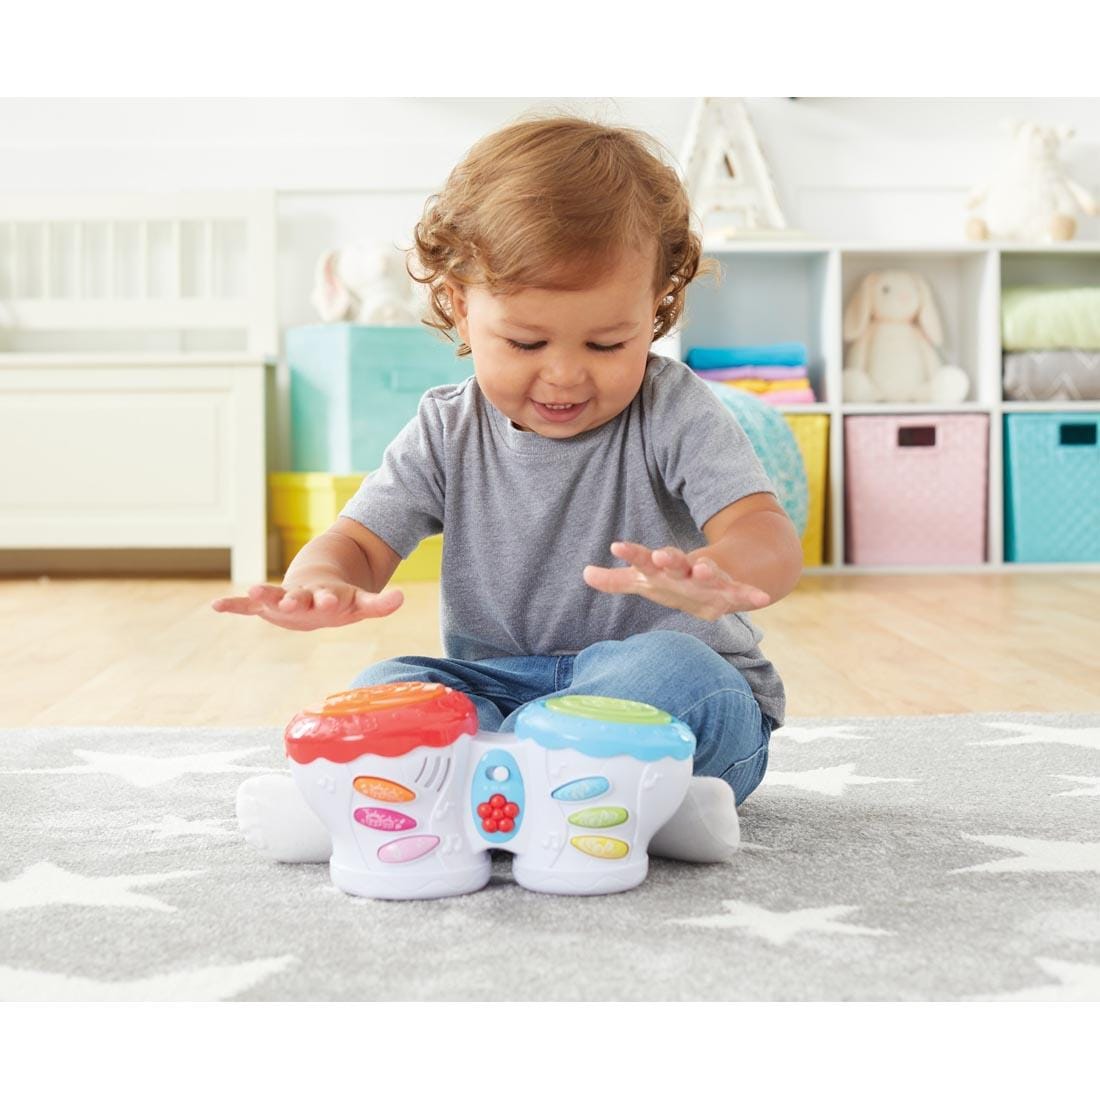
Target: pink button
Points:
(407, 848)
(389, 821)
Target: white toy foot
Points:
(704, 829)
(949, 386)
(857, 387)
(277, 821)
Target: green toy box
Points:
(354, 387)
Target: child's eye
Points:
(594, 347)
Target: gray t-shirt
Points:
(523, 514)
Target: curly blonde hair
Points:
(550, 202)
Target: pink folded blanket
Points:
(788, 397)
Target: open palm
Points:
(669, 577)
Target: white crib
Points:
(135, 333)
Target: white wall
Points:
(346, 169)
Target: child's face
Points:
(565, 330)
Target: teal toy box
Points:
(1052, 487)
(354, 387)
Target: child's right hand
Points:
(313, 606)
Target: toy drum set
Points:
(415, 795)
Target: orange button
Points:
(382, 790)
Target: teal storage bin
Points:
(354, 387)
(1052, 487)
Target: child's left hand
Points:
(669, 577)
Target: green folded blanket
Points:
(1035, 317)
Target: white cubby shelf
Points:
(795, 289)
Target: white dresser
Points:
(135, 331)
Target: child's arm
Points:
(335, 579)
(754, 540)
(753, 558)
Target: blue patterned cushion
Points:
(775, 446)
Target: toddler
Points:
(606, 522)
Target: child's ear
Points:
(459, 308)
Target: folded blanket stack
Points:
(775, 373)
(1051, 341)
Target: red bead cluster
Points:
(498, 814)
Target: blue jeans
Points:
(676, 672)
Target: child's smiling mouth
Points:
(559, 413)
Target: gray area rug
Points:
(938, 858)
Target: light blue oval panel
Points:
(591, 786)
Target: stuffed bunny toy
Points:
(367, 284)
(1032, 199)
(895, 329)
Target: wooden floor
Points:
(150, 651)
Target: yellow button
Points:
(603, 847)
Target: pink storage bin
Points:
(915, 489)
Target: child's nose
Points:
(562, 371)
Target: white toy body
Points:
(421, 824)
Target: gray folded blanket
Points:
(1058, 374)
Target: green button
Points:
(601, 707)
(599, 817)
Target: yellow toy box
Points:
(811, 431)
(305, 504)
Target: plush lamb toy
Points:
(1032, 199)
(895, 329)
(366, 284)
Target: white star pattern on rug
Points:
(170, 826)
(1093, 790)
(47, 884)
(940, 912)
(825, 780)
(778, 926)
(207, 983)
(1038, 855)
(1077, 982)
(150, 771)
(1086, 738)
(804, 734)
